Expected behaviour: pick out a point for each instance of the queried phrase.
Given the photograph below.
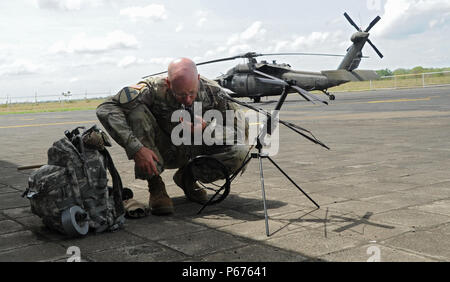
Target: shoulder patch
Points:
(128, 94)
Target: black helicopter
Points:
(259, 79)
(247, 80)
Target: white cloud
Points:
(201, 13)
(94, 61)
(240, 48)
(6, 52)
(154, 12)
(59, 24)
(254, 38)
(18, 67)
(312, 39)
(244, 41)
(80, 43)
(201, 21)
(202, 17)
(126, 61)
(254, 32)
(67, 5)
(129, 61)
(312, 42)
(216, 51)
(6, 46)
(407, 17)
(179, 28)
(163, 61)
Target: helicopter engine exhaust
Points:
(245, 85)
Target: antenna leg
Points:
(292, 181)
(261, 175)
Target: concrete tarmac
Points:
(383, 190)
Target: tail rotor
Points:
(371, 25)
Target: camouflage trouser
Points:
(147, 130)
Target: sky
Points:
(48, 47)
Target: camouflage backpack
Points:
(70, 193)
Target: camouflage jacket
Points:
(154, 93)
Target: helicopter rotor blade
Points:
(373, 23)
(305, 94)
(246, 55)
(301, 54)
(249, 55)
(204, 63)
(220, 60)
(289, 125)
(282, 82)
(375, 48)
(154, 74)
(305, 54)
(352, 22)
(254, 55)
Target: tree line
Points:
(415, 70)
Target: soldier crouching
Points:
(139, 119)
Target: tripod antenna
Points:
(268, 129)
(297, 129)
(260, 155)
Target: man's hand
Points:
(145, 161)
(198, 125)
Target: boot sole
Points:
(162, 211)
(198, 201)
(190, 198)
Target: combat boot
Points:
(192, 191)
(159, 202)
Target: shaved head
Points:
(182, 70)
(183, 79)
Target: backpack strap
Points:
(117, 182)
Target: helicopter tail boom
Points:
(342, 76)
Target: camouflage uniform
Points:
(140, 115)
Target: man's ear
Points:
(168, 82)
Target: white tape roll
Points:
(70, 224)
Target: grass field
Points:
(392, 83)
(90, 104)
(75, 105)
